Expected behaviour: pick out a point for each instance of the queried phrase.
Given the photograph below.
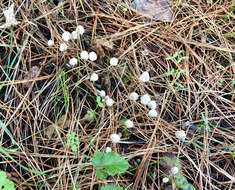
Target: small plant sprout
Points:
(181, 135)
(63, 47)
(134, 96)
(84, 55)
(50, 43)
(145, 99)
(92, 56)
(152, 113)
(152, 105)
(10, 17)
(109, 101)
(113, 61)
(73, 62)
(66, 36)
(165, 180)
(108, 149)
(115, 138)
(129, 124)
(174, 170)
(177, 55)
(144, 77)
(94, 77)
(72, 141)
(98, 101)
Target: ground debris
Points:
(156, 9)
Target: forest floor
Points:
(54, 118)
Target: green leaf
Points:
(90, 113)
(205, 122)
(74, 148)
(5, 184)
(180, 181)
(114, 163)
(111, 187)
(101, 174)
(98, 100)
(171, 162)
(232, 83)
(97, 159)
(179, 85)
(1, 86)
(222, 80)
(3, 175)
(181, 58)
(169, 58)
(179, 73)
(111, 161)
(219, 67)
(169, 73)
(190, 187)
(72, 141)
(174, 56)
(233, 154)
(4, 127)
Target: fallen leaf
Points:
(101, 44)
(157, 9)
(33, 73)
(61, 124)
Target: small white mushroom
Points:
(108, 149)
(181, 135)
(145, 99)
(152, 105)
(144, 77)
(66, 36)
(152, 113)
(134, 96)
(80, 29)
(73, 62)
(174, 170)
(63, 47)
(115, 138)
(94, 77)
(165, 180)
(113, 61)
(50, 43)
(84, 55)
(109, 101)
(129, 124)
(92, 56)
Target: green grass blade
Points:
(5, 129)
(2, 150)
